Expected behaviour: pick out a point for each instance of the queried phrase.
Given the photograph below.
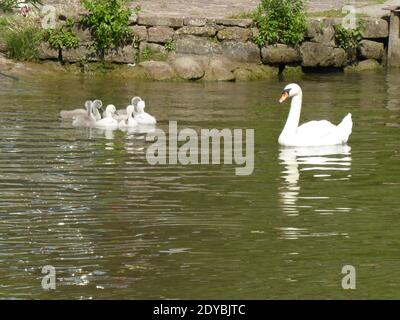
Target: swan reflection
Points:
(323, 161)
(109, 134)
(139, 129)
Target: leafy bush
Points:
(62, 38)
(280, 21)
(109, 21)
(348, 38)
(22, 38)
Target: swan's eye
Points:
(286, 91)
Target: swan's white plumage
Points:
(130, 122)
(86, 120)
(108, 122)
(134, 102)
(143, 117)
(120, 117)
(70, 114)
(313, 133)
(96, 106)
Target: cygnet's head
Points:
(88, 104)
(129, 110)
(140, 106)
(97, 103)
(135, 101)
(290, 91)
(111, 109)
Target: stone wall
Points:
(222, 49)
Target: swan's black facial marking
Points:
(286, 91)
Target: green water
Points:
(113, 226)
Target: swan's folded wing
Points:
(119, 117)
(121, 112)
(69, 114)
(314, 129)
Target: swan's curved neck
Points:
(293, 119)
(130, 114)
(90, 113)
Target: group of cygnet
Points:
(112, 118)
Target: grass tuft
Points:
(22, 37)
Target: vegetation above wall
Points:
(348, 38)
(21, 37)
(280, 21)
(62, 38)
(109, 22)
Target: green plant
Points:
(348, 38)
(170, 46)
(280, 21)
(9, 5)
(22, 37)
(62, 38)
(109, 21)
(5, 21)
(146, 54)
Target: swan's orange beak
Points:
(284, 96)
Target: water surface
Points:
(88, 202)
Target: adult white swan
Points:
(313, 133)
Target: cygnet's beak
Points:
(284, 96)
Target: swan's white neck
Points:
(130, 114)
(90, 113)
(293, 119)
(107, 114)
